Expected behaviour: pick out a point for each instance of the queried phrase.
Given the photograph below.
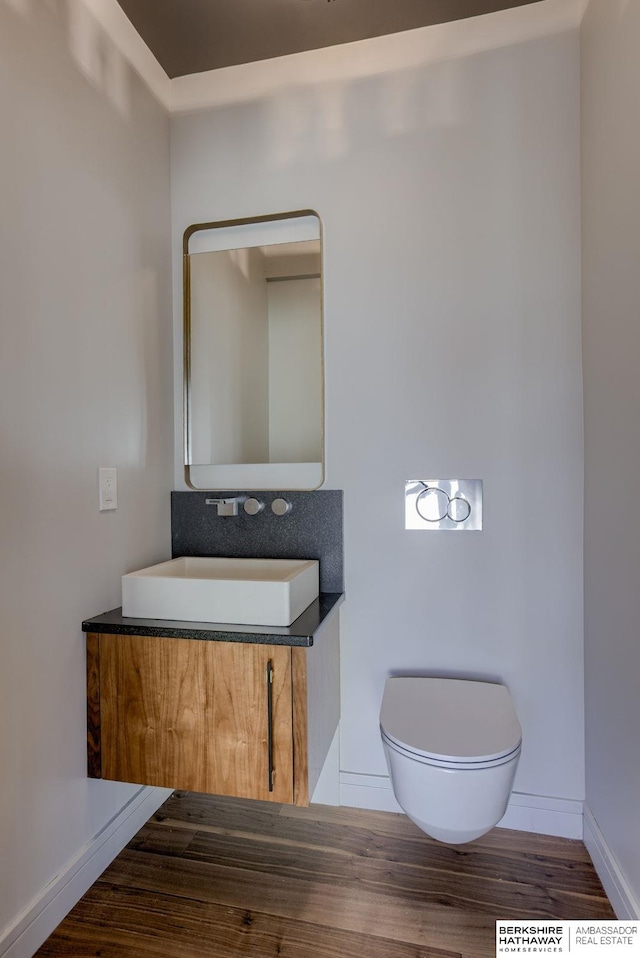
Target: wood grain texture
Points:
(94, 755)
(300, 727)
(228, 878)
(208, 930)
(183, 713)
(511, 854)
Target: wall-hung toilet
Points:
(452, 747)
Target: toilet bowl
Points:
(452, 747)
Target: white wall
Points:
(449, 193)
(611, 297)
(85, 380)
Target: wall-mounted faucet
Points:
(252, 506)
(226, 507)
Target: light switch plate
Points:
(108, 488)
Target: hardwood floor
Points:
(211, 877)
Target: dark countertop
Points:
(302, 632)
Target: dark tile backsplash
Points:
(312, 530)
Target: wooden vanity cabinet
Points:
(229, 718)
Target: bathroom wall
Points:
(611, 294)
(449, 192)
(85, 381)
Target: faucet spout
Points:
(226, 507)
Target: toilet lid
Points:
(452, 719)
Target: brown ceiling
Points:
(191, 36)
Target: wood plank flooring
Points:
(211, 877)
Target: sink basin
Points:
(235, 591)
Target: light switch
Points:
(108, 488)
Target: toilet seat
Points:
(443, 763)
(451, 723)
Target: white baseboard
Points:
(35, 923)
(367, 791)
(544, 815)
(527, 813)
(623, 901)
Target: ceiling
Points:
(193, 36)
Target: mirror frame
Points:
(229, 472)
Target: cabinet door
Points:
(197, 715)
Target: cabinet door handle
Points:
(270, 722)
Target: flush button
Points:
(453, 505)
(432, 504)
(459, 509)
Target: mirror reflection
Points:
(253, 354)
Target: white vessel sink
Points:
(235, 591)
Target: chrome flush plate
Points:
(446, 505)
